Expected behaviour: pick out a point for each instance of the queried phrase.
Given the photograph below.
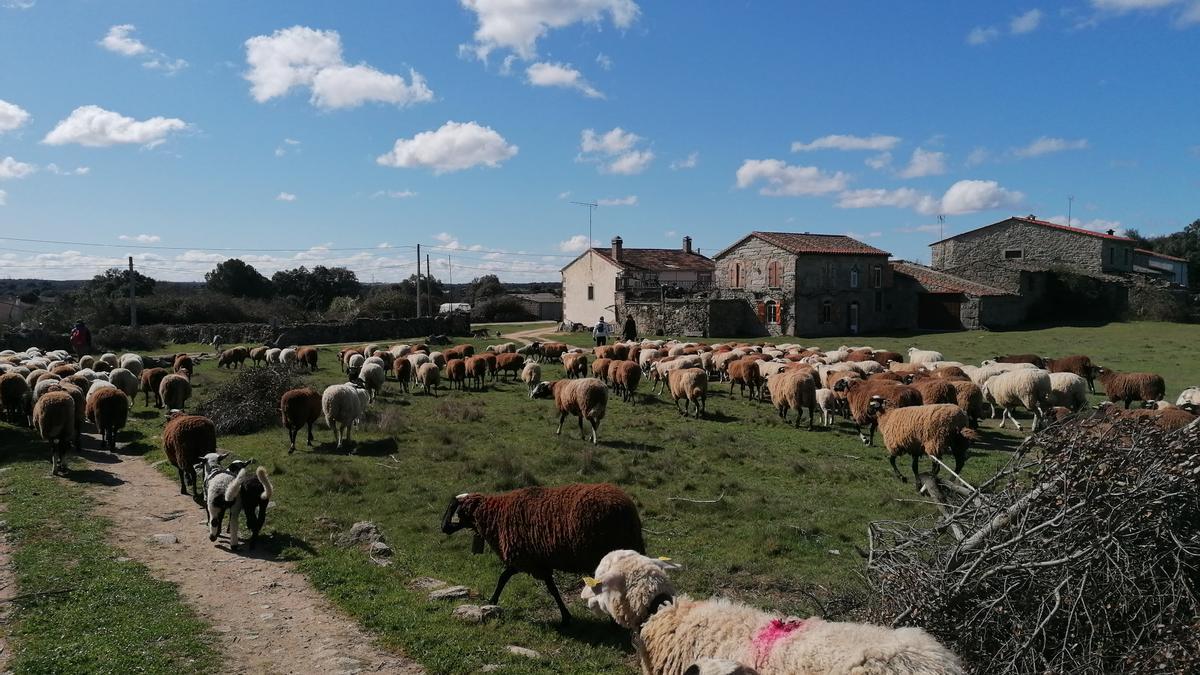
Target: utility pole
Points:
(450, 276)
(429, 288)
(418, 281)
(132, 296)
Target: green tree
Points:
(115, 281)
(235, 277)
(315, 289)
(484, 288)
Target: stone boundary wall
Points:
(358, 330)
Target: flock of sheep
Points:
(921, 404)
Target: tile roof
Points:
(1043, 223)
(801, 243)
(658, 259)
(943, 282)
(1156, 254)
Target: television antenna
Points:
(941, 226)
(591, 206)
(1070, 203)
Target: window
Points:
(739, 276)
(704, 277)
(854, 277)
(591, 292)
(827, 312)
(773, 274)
(1112, 255)
(877, 276)
(878, 301)
(1013, 253)
(771, 312)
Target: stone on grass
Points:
(362, 532)
(476, 613)
(523, 651)
(165, 539)
(426, 584)
(450, 593)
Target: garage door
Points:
(939, 311)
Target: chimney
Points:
(1111, 232)
(687, 244)
(616, 249)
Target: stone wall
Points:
(1037, 243)
(672, 317)
(359, 330)
(20, 340)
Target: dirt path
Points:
(527, 336)
(8, 591)
(270, 619)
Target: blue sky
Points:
(321, 133)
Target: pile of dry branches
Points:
(248, 401)
(1081, 555)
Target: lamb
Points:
(1131, 386)
(585, 398)
(402, 368)
(932, 429)
(428, 377)
(690, 385)
(575, 365)
(625, 377)
(1079, 364)
(373, 376)
(125, 380)
(919, 356)
(510, 363)
(859, 395)
(540, 530)
(343, 406)
(184, 364)
(54, 419)
(670, 632)
(299, 408)
(531, 375)
(793, 389)
(133, 363)
(174, 391)
(745, 373)
(826, 403)
(186, 439)
(16, 399)
(233, 357)
(109, 411)
(307, 357)
(1069, 391)
(151, 380)
(1029, 388)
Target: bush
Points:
(123, 338)
(249, 401)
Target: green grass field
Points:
(793, 504)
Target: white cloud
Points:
(576, 244)
(394, 194)
(453, 147)
(978, 156)
(863, 235)
(19, 4)
(141, 238)
(924, 163)
(517, 25)
(615, 151)
(965, 196)
(879, 162)
(1189, 17)
(980, 35)
(545, 74)
(10, 168)
(1046, 145)
(631, 200)
(604, 61)
(96, 127)
(450, 241)
(119, 40)
(1131, 5)
(786, 180)
(289, 146)
(59, 171)
(1026, 23)
(688, 162)
(12, 116)
(303, 57)
(285, 197)
(929, 228)
(1095, 225)
(167, 65)
(564, 195)
(875, 142)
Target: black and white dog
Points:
(233, 489)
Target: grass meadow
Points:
(792, 505)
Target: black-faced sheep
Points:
(1131, 386)
(299, 408)
(671, 632)
(924, 429)
(54, 419)
(186, 439)
(109, 411)
(586, 398)
(689, 385)
(540, 530)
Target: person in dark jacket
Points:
(629, 331)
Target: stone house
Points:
(1162, 266)
(807, 284)
(928, 299)
(599, 281)
(1033, 244)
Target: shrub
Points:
(503, 308)
(248, 401)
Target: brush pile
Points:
(248, 401)
(1080, 556)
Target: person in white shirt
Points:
(600, 332)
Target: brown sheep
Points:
(950, 373)
(744, 372)
(585, 398)
(542, 530)
(691, 386)
(258, 356)
(600, 368)
(553, 351)
(109, 411)
(625, 377)
(883, 358)
(1079, 364)
(299, 408)
(934, 390)
(307, 357)
(793, 389)
(456, 373)
(1131, 386)
(16, 399)
(64, 371)
(402, 369)
(575, 365)
(887, 375)
(510, 363)
(233, 357)
(860, 393)
(1022, 358)
(860, 355)
(54, 419)
(151, 380)
(490, 359)
(477, 369)
(174, 391)
(923, 429)
(183, 363)
(969, 397)
(79, 393)
(186, 439)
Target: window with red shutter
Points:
(761, 310)
(773, 274)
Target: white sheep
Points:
(417, 360)
(273, 356)
(110, 359)
(920, 356)
(828, 405)
(355, 361)
(1189, 395)
(287, 357)
(1028, 388)
(133, 363)
(1069, 391)
(343, 406)
(373, 376)
(126, 381)
(531, 375)
(428, 376)
(97, 386)
(670, 636)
